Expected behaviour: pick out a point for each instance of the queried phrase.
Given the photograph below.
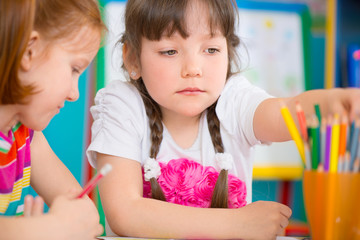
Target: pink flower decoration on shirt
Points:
(188, 183)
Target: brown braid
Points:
(154, 115)
(220, 193)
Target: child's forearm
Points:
(27, 227)
(156, 219)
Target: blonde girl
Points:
(44, 47)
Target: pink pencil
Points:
(92, 183)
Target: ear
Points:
(31, 51)
(131, 62)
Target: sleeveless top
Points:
(14, 169)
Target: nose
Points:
(191, 66)
(74, 92)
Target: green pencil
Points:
(315, 138)
(317, 112)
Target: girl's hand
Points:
(75, 218)
(265, 220)
(33, 207)
(344, 101)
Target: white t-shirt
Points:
(121, 128)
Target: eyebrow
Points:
(83, 62)
(209, 35)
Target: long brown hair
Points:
(151, 19)
(53, 19)
(16, 24)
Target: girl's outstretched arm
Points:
(270, 126)
(129, 214)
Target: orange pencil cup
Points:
(332, 203)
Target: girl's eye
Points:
(212, 50)
(169, 52)
(75, 70)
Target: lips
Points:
(190, 91)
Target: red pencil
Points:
(92, 183)
(302, 121)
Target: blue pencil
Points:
(354, 143)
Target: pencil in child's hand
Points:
(92, 183)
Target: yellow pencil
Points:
(334, 152)
(293, 131)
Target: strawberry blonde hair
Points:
(153, 18)
(53, 19)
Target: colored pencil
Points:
(357, 158)
(317, 112)
(289, 121)
(322, 140)
(302, 121)
(307, 156)
(354, 143)
(314, 133)
(356, 165)
(92, 183)
(342, 143)
(334, 153)
(347, 162)
(327, 145)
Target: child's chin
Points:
(41, 125)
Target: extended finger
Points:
(286, 211)
(38, 206)
(284, 222)
(28, 204)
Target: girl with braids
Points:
(44, 47)
(180, 133)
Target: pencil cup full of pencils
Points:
(332, 204)
(330, 152)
